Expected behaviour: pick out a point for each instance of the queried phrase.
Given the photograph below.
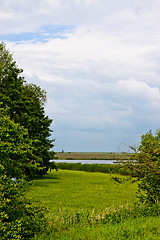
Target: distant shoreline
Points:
(93, 155)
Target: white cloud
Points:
(31, 15)
(102, 77)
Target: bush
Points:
(20, 218)
(144, 166)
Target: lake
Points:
(84, 161)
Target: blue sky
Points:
(98, 61)
(43, 34)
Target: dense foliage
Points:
(24, 150)
(20, 218)
(25, 103)
(144, 166)
(16, 148)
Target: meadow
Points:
(90, 205)
(75, 190)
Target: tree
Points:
(16, 149)
(26, 107)
(144, 166)
(37, 123)
(20, 218)
(20, 105)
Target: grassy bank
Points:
(92, 155)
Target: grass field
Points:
(80, 205)
(92, 155)
(80, 190)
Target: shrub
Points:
(20, 218)
(144, 166)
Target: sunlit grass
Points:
(80, 204)
(147, 228)
(80, 190)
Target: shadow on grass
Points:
(45, 180)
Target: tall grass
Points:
(137, 229)
(113, 223)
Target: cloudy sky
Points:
(98, 60)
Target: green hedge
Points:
(104, 168)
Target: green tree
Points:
(144, 166)
(26, 106)
(37, 123)
(20, 218)
(16, 149)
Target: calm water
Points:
(85, 161)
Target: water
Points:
(84, 161)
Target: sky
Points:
(98, 60)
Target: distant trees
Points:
(25, 105)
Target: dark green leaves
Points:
(25, 105)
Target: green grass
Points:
(84, 206)
(80, 190)
(134, 229)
